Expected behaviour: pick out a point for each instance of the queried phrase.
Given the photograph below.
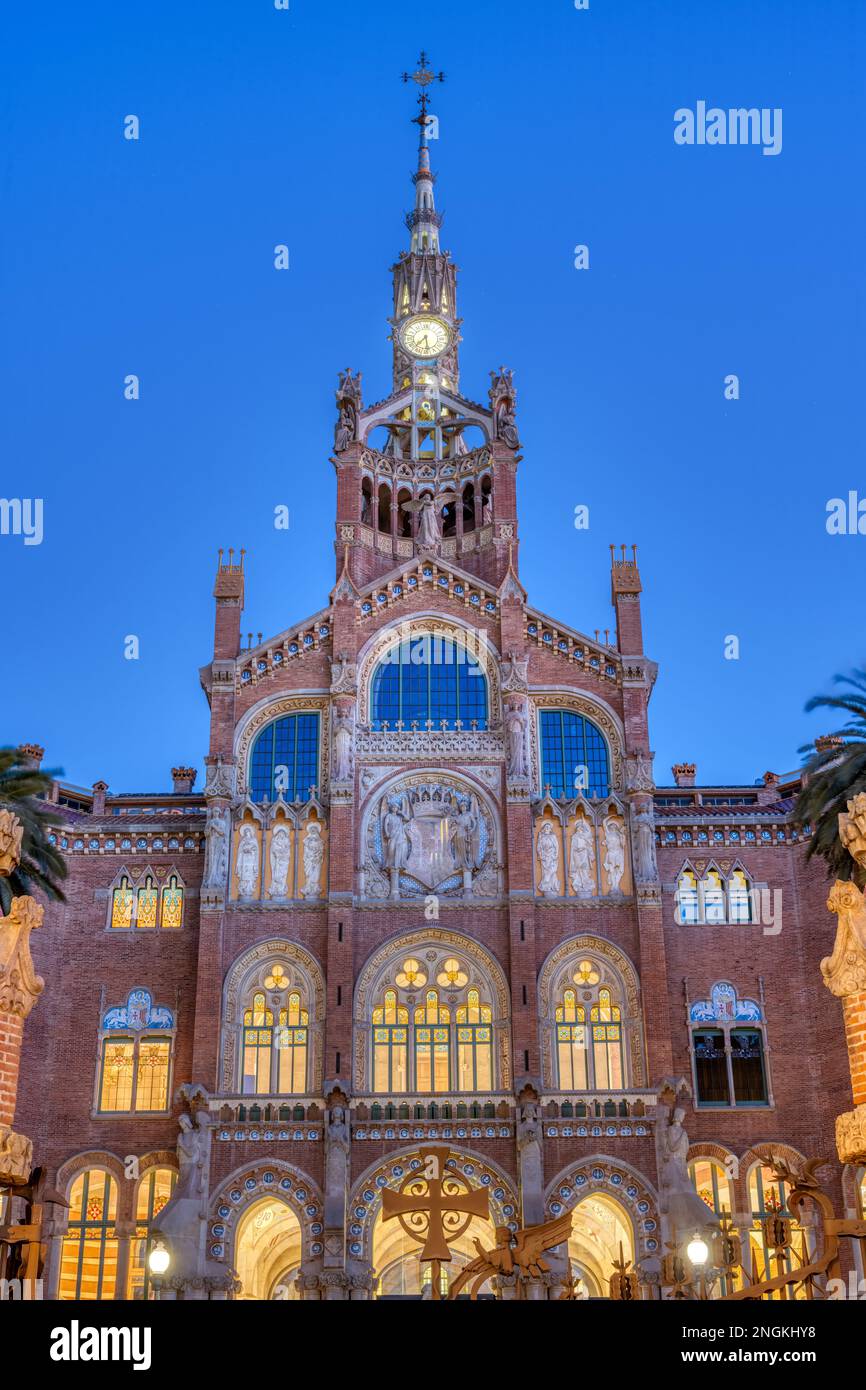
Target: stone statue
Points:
(396, 844)
(548, 853)
(466, 836)
(581, 860)
(515, 725)
(11, 833)
(343, 741)
(644, 844)
(679, 1200)
(281, 854)
(216, 834)
(507, 430)
(193, 1154)
(614, 852)
(344, 432)
(529, 1150)
(247, 862)
(314, 854)
(337, 1140)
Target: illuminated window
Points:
(433, 678)
(739, 898)
(121, 904)
(88, 1263)
(571, 1043)
(432, 1045)
(768, 1200)
(606, 1022)
(711, 1183)
(154, 1191)
(728, 1044)
(390, 1046)
(147, 905)
(285, 757)
(135, 1073)
(714, 903)
(474, 1045)
(687, 898)
(573, 755)
(172, 904)
(275, 1050)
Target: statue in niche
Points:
(344, 432)
(314, 854)
(644, 844)
(581, 860)
(429, 528)
(337, 1139)
(343, 739)
(515, 725)
(465, 835)
(395, 839)
(614, 852)
(193, 1157)
(548, 854)
(281, 854)
(216, 835)
(507, 427)
(247, 862)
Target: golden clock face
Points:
(425, 336)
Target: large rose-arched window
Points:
(427, 677)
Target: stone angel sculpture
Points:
(519, 1252)
(429, 510)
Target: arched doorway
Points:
(600, 1227)
(268, 1250)
(400, 1274)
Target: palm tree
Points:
(23, 788)
(835, 772)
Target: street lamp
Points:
(159, 1259)
(697, 1250)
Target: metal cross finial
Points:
(424, 75)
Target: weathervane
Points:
(422, 78)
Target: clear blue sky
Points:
(259, 127)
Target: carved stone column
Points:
(844, 974)
(20, 987)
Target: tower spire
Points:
(424, 221)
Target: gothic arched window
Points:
(429, 678)
(88, 1262)
(422, 1044)
(172, 904)
(574, 755)
(121, 904)
(285, 757)
(606, 1020)
(147, 906)
(275, 1042)
(571, 1043)
(687, 898)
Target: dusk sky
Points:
(259, 127)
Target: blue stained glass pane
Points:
(429, 678)
(569, 743)
(286, 755)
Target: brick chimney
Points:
(684, 774)
(625, 591)
(32, 755)
(182, 779)
(769, 792)
(99, 790)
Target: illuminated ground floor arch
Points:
(612, 1204)
(601, 1230)
(268, 1250)
(392, 1254)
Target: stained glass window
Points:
(148, 902)
(88, 1264)
(154, 1191)
(574, 755)
(285, 757)
(118, 1069)
(474, 1044)
(605, 1019)
(739, 897)
(390, 1046)
(687, 898)
(432, 1045)
(258, 1043)
(433, 678)
(151, 1090)
(172, 904)
(714, 897)
(292, 1048)
(121, 904)
(275, 1050)
(571, 1043)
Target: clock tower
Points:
(425, 473)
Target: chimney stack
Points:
(182, 779)
(32, 755)
(99, 790)
(684, 774)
